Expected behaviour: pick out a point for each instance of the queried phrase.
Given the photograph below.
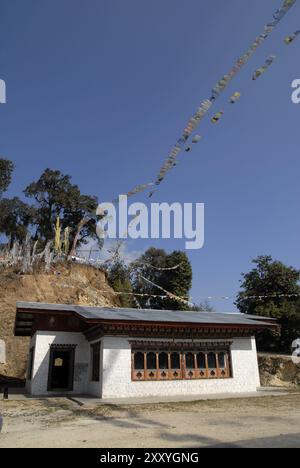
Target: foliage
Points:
(6, 170)
(272, 278)
(55, 196)
(119, 279)
(15, 218)
(202, 307)
(152, 265)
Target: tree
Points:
(6, 170)
(158, 268)
(267, 281)
(15, 215)
(202, 307)
(119, 279)
(15, 218)
(55, 196)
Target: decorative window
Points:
(212, 360)
(175, 373)
(175, 361)
(95, 351)
(201, 362)
(160, 364)
(139, 361)
(151, 366)
(151, 361)
(163, 361)
(222, 360)
(190, 361)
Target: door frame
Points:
(71, 350)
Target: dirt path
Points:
(255, 422)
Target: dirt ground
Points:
(252, 422)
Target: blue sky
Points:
(101, 90)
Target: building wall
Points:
(117, 383)
(115, 370)
(42, 342)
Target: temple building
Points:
(115, 353)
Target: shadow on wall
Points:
(40, 375)
(39, 383)
(242, 345)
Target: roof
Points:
(99, 314)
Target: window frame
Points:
(95, 361)
(184, 373)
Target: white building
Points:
(115, 353)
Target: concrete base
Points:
(178, 399)
(86, 400)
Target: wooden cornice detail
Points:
(146, 345)
(166, 331)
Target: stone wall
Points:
(278, 370)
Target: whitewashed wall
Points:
(117, 383)
(115, 370)
(42, 342)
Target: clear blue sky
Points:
(101, 89)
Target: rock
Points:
(278, 370)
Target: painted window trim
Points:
(193, 372)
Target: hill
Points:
(68, 283)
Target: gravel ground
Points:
(250, 422)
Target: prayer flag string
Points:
(218, 89)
